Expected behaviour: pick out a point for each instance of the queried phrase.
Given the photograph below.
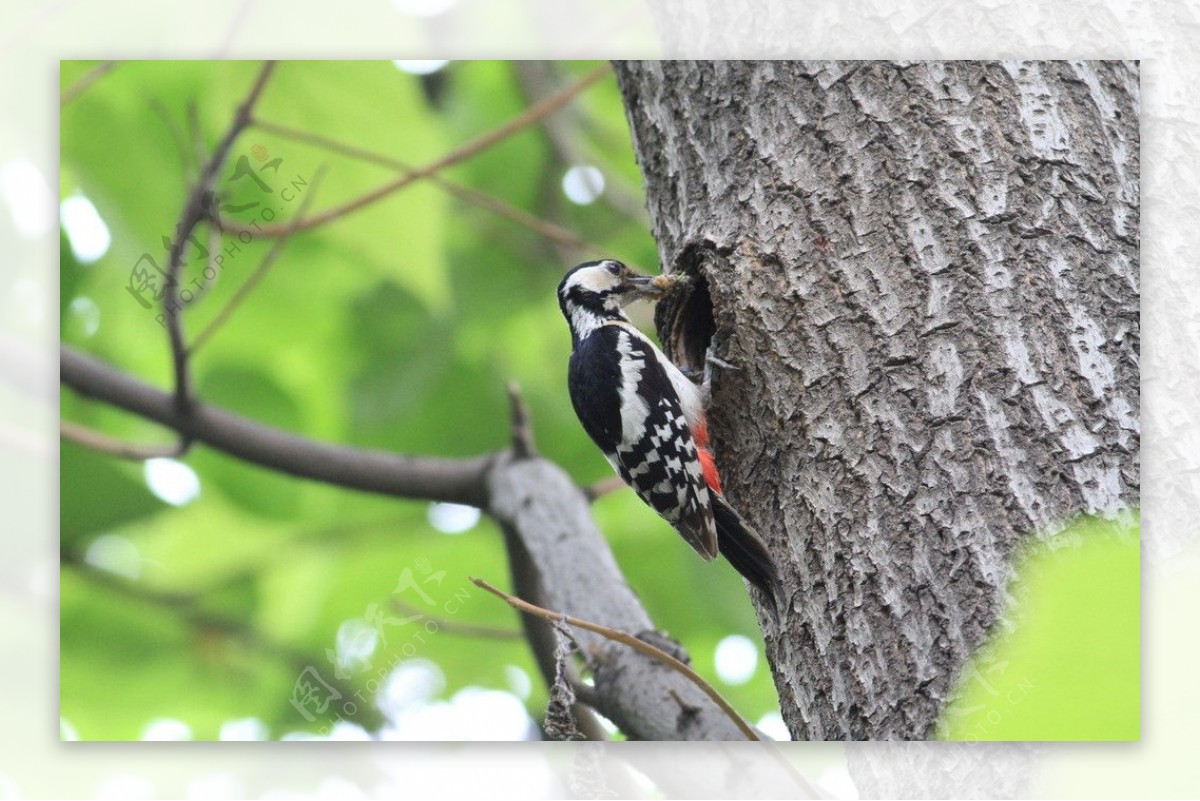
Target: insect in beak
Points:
(647, 286)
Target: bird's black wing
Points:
(630, 409)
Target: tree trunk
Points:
(925, 277)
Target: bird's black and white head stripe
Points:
(594, 293)
(594, 285)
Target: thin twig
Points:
(585, 693)
(195, 210)
(533, 77)
(603, 487)
(84, 82)
(538, 225)
(640, 646)
(187, 156)
(531, 115)
(89, 438)
(197, 136)
(455, 627)
(260, 272)
(523, 445)
(215, 243)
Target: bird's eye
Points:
(614, 267)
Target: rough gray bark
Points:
(927, 274)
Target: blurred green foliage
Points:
(394, 327)
(1064, 664)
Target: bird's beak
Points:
(646, 286)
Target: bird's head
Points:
(600, 288)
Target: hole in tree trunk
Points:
(684, 318)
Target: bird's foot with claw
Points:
(711, 359)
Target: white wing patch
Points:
(691, 401)
(633, 407)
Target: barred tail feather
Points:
(745, 550)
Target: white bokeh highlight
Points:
(167, 730)
(243, 730)
(356, 643)
(426, 66)
(86, 232)
(772, 725)
(583, 184)
(84, 317)
(519, 682)
(453, 518)
(67, 731)
(345, 731)
(414, 681)
(114, 554)
(736, 659)
(473, 713)
(172, 481)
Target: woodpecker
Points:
(649, 419)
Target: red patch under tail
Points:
(707, 463)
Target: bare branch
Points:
(259, 273)
(604, 486)
(195, 209)
(185, 604)
(455, 627)
(186, 147)
(530, 116)
(89, 438)
(196, 136)
(430, 478)
(550, 230)
(85, 81)
(215, 242)
(548, 525)
(641, 646)
(522, 432)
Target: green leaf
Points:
(1069, 667)
(98, 493)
